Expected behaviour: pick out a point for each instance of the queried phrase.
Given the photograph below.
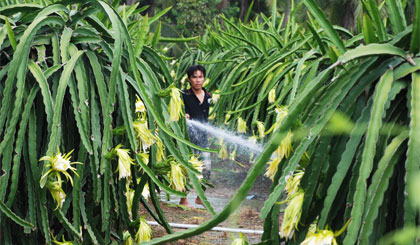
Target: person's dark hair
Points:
(194, 68)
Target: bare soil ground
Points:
(245, 217)
(226, 176)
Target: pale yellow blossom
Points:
(140, 105)
(197, 165)
(59, 164)
(293, 182)
(322, 237)
(285, 146)
(144, 233)
(177, 177)
(124, 162)
(292, 215)
(146, 191)
(175, 105)
(273, 165)
(282, 151)
(144, 156)
(144, 135)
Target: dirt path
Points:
(227, 176)
(245, 217)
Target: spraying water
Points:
(227, 136)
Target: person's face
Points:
(197, 80)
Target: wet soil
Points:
(226, 176)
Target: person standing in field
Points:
(197, 102)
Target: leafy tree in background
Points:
(189, 17)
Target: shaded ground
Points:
(226, 176)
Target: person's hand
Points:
(187, 116)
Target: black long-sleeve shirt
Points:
(198, 112)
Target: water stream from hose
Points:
(225, 135)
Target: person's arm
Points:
(187, 116)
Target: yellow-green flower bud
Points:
(251, 157)
(215, 97)
(128, 240)
(57, 192)
(173, 74)
(160, 155)
(227, 117)
(272, 96)
(241, 125)
(183, 79)
(212, 116)
(223, 153)
(241, 240)
(129, 199)
(232, 155)
(261, 129)
(282, 112)
(206, 82)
